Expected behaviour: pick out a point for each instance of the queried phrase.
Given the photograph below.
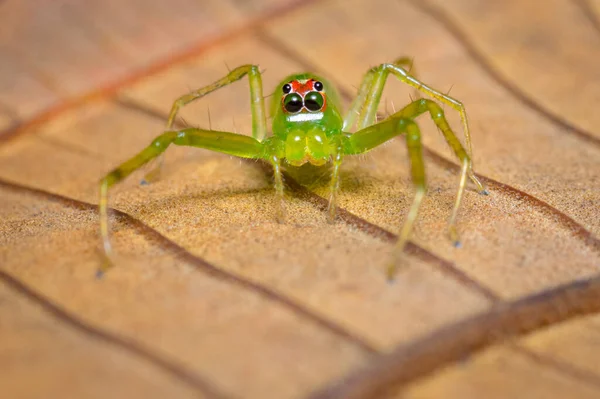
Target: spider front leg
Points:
(369, 97)
(224, 142)
(259, 123)
(364, 107)
(334, 185)
(374, 135)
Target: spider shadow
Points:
(213, 200)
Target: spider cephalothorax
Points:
(308, 126)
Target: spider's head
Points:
(305, 101)
(306, 117)
(303, 95)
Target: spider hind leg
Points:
(421, 106)
(415, 153)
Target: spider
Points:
(309, 127)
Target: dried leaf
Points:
(210, 295)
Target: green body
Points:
(313, 140)
(318, 134)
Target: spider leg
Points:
(334, 185)
(377, 134)
(372, 89)
(415, 153)
(278, 177)
(436, 112)
(259, 122)
(359, 102)
(225, 142)
(364, 107)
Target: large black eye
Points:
(292, 103)
(318, 86)
(287, 88)
(313, 101)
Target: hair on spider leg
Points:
(209, 119)
(412, 64)
(227, 66)
(235, 130)
(189, 88)
(448, 93)
(183, 122)
(386, 110)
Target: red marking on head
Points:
(304, 88)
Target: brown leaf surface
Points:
(211, 297)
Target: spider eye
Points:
(287, 88)
(313, 101)
(292, 103)
(318, 86)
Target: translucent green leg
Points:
(225, 142)
(372, 89)
(259, 123)
(277, 175)
(415, 153)
(421, 106)
(374, 135)
(359, 101)
(367, 101)
(334, 186)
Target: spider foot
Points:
(107, 263)
(481, 189)
(397, 263)
(151, 177)
(280, 216)
(454, 236)
(331, 213)
(391, 273)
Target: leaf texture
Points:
(211, 297)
